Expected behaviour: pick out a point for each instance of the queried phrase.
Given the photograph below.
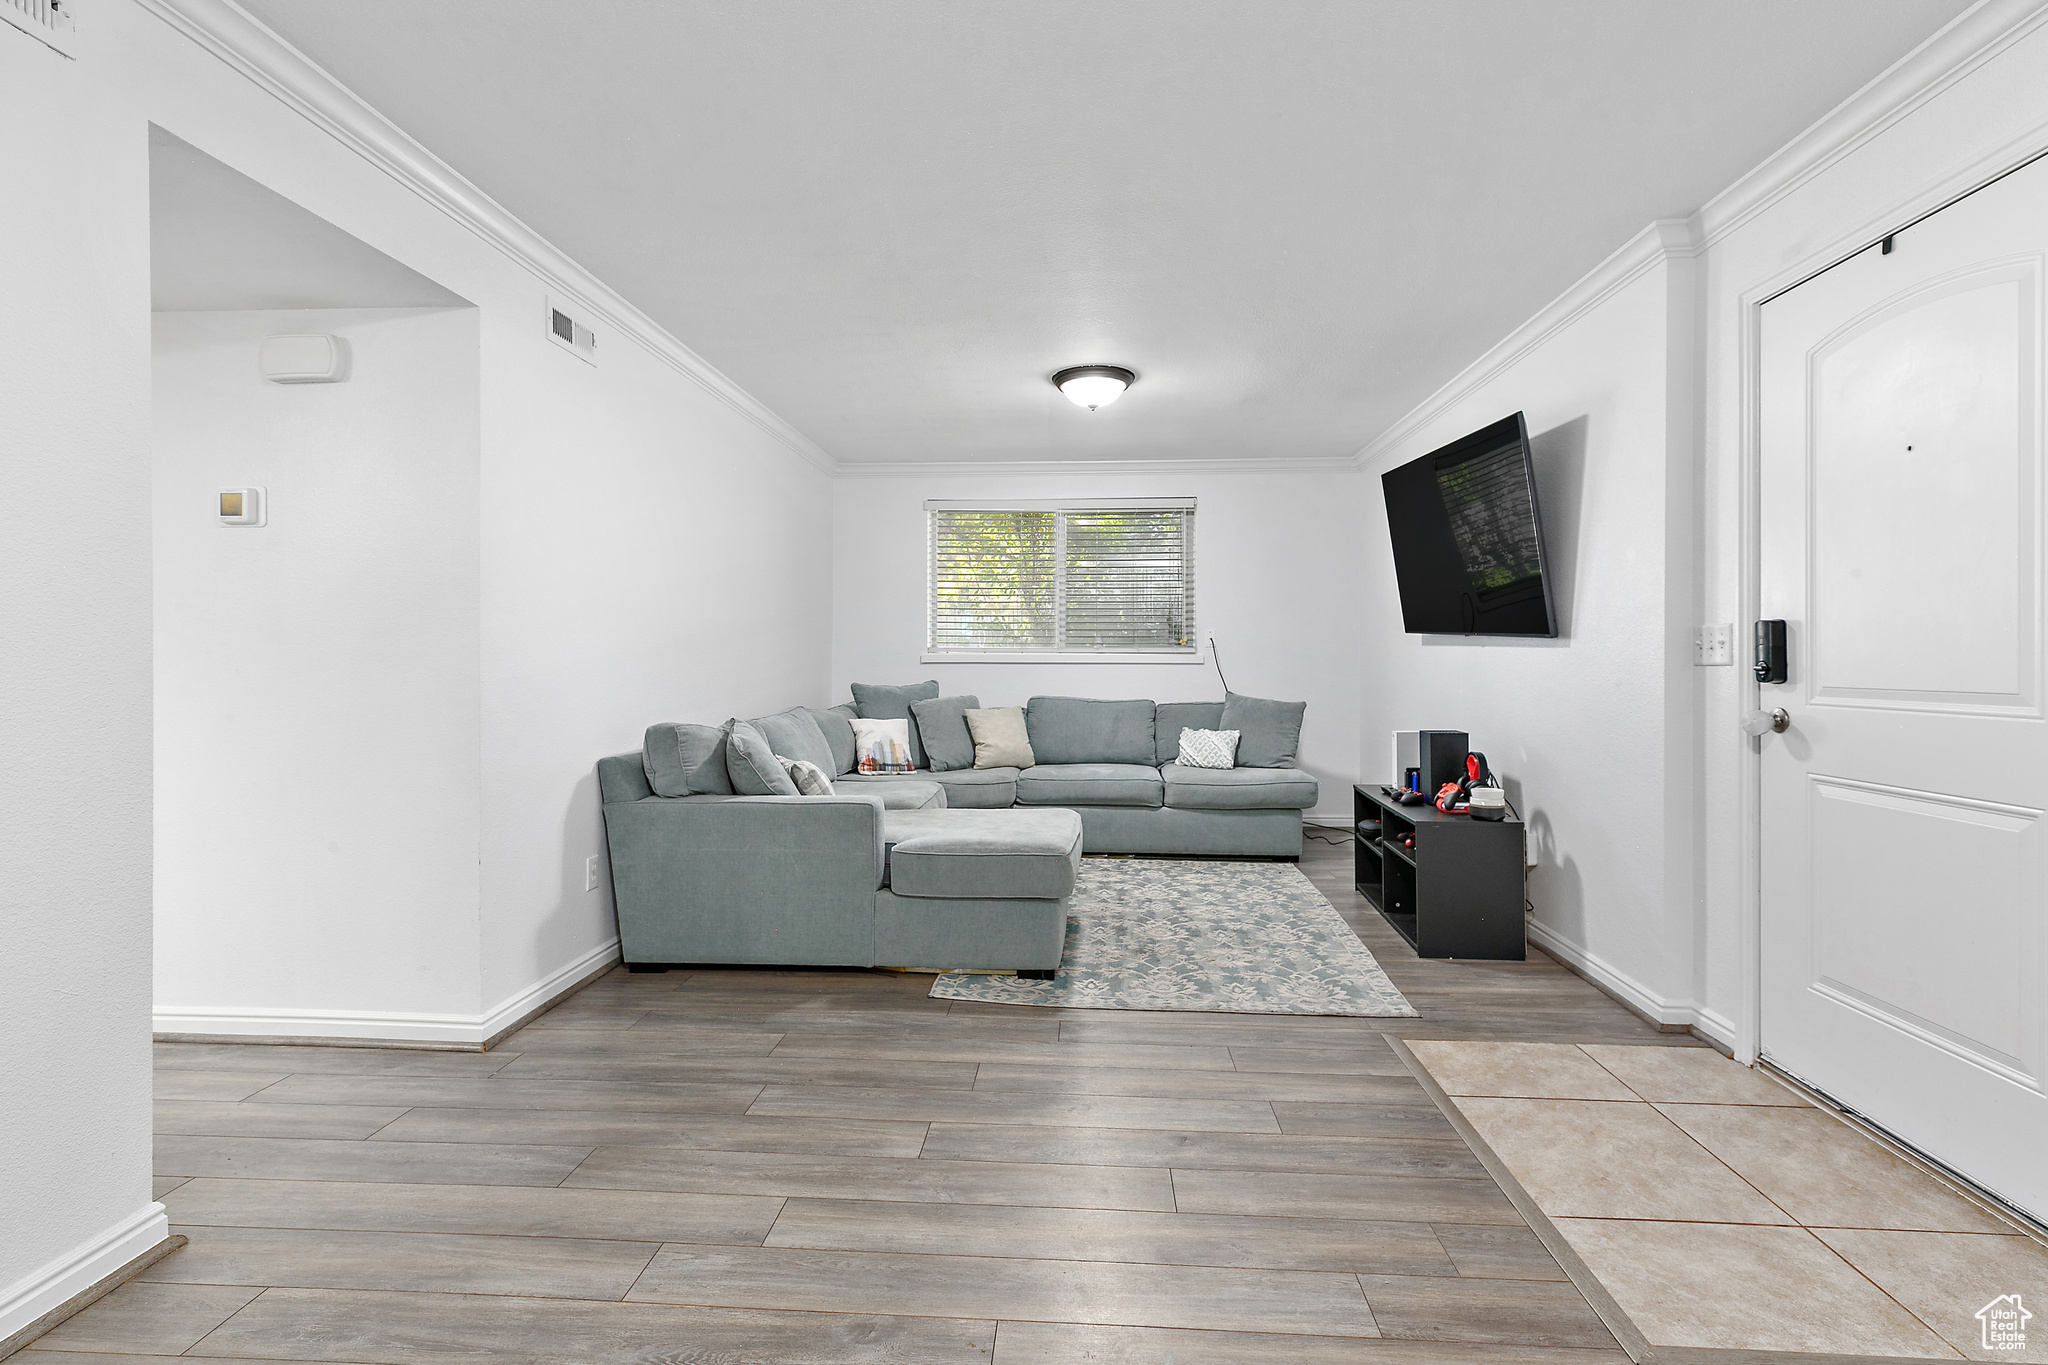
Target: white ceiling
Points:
(891, 219)
(217, 239)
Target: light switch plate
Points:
(590, 873)
(1714, 646)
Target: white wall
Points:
(1279, 563)
(648, 555)
(1576, 727)
(647, 544)
(317, 684)
(605, 597)
(1629, 760)
(74, 687)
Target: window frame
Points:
(1197, 653)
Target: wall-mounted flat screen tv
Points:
(1468, 537)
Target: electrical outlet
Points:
(590, 873)
(1713, 646)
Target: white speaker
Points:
(309, 359)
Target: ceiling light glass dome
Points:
(1093, 386)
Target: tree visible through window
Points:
(1086, 579)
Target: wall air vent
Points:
(563, 329)
(47, 20)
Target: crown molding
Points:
(247, 46)
(1330, 464)
(1961, 46)
(1659, 242)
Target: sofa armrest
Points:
(772, 879)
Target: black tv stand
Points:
(1457, 893)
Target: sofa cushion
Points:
(883, 701)
(941, 724)
(970, 788)
(685, 760)
(793, 734)
(1175, 716)
(1089, 784)
(1268, 732)
(1000, 739)
(983, 854)
(908, 793)
(1082, 730)
(1238, 788)
(836, 724)
(752, 764)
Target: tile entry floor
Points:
(1722, 1210)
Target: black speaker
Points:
(1441, 756)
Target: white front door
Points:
(1905, 953)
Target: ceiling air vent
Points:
(563, 329)
(48, 20)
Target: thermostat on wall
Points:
(242, 506)
(313, 359)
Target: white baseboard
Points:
(48, 1287)
(469, 1032)
(1715, 1027)
(524, 1005)
(1677, 1014)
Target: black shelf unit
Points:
(1457, 893)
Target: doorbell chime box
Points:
(242, 506)
(308, 359)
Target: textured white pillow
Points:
(810, 779)
(1208, 748)
(882, 746)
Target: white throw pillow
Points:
(882, 746)
(1208, 748)
(810, 779)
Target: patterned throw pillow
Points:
(1208, 748)
(882, 746)
(810, 779)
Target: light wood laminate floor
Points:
(806, 1166)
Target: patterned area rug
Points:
(1236, 938)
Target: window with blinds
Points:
(1042, 578)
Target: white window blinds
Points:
(1102, 579)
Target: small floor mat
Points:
(1225, 937)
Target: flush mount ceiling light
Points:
(1093, 386)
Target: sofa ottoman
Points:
(977, 889)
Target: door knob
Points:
(1774, 721)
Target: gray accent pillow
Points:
(836, 725)
(880, 701)
(793, 734)
(1085, 730)
(1000, 739)
(810, 779)
(685, 760)
(942, 728)
(752, 765)
(1268, 732)
(1175, 716)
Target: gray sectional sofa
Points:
(949, 867)
(1112, 762)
